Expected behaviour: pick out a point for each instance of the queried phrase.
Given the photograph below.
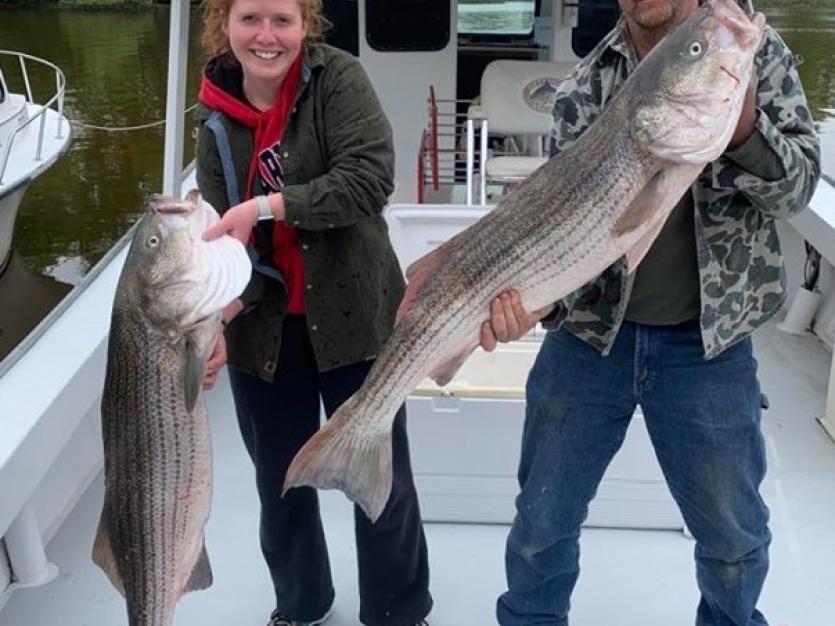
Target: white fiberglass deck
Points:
(629, 577)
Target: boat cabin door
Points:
(415, 49)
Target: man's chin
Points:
(654, 15)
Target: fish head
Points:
(693, 84)
(175, 277)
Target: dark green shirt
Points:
(666, 290)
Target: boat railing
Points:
(56, 101)
(441, 154)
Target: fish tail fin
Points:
(338, 457)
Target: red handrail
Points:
(433, 139)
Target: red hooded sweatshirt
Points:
(268, 128)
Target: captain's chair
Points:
(516, 102)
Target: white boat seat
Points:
(516, 102)
(513, 168)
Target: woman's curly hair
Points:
(216, 15)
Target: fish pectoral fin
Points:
(103, 556)
(195, 370)
(636, 253)
(445, 372)
(201, 574)
(660, 194)
(643, 207)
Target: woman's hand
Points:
(509, 320)
(216, 360)
(238, 221)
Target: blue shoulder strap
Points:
(224, 150)
(232, 191)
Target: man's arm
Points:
(778, 166)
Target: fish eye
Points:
(152, 241)
(696, 48)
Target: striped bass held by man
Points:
(604, 198)
(157, 452)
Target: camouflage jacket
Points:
(740, 263)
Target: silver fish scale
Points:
(157, 457)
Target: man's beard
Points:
(655, 18)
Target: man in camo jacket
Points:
(673, 337)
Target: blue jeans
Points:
(703, 419)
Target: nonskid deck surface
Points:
(628, 577)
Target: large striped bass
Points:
(605, 197)
(157, 454)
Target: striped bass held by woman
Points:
(157, 452)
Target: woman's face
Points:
(265, 36)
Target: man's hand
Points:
(509, 320)
(748, 118)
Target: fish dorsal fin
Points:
(444, 372)
(201, 574)
(195, 369)
(103, 554)
(416, 275)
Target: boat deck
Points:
(629, 576)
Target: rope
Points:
(121, 129)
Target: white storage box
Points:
(465, 438)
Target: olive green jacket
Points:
(737, 199)
(338, 163)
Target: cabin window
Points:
(596, 18)
(407, 25)
(344, 32)
(489, 17)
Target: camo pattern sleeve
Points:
(785, 136)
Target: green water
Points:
(115, 64)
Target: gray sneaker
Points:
(277, 619)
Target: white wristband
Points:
(264, 210)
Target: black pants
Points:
(276, 420)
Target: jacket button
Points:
(309, 286)
(314, 327)
(269, 367)
(296, 222)
(285, 154)
(304, 246)
(330, 225)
